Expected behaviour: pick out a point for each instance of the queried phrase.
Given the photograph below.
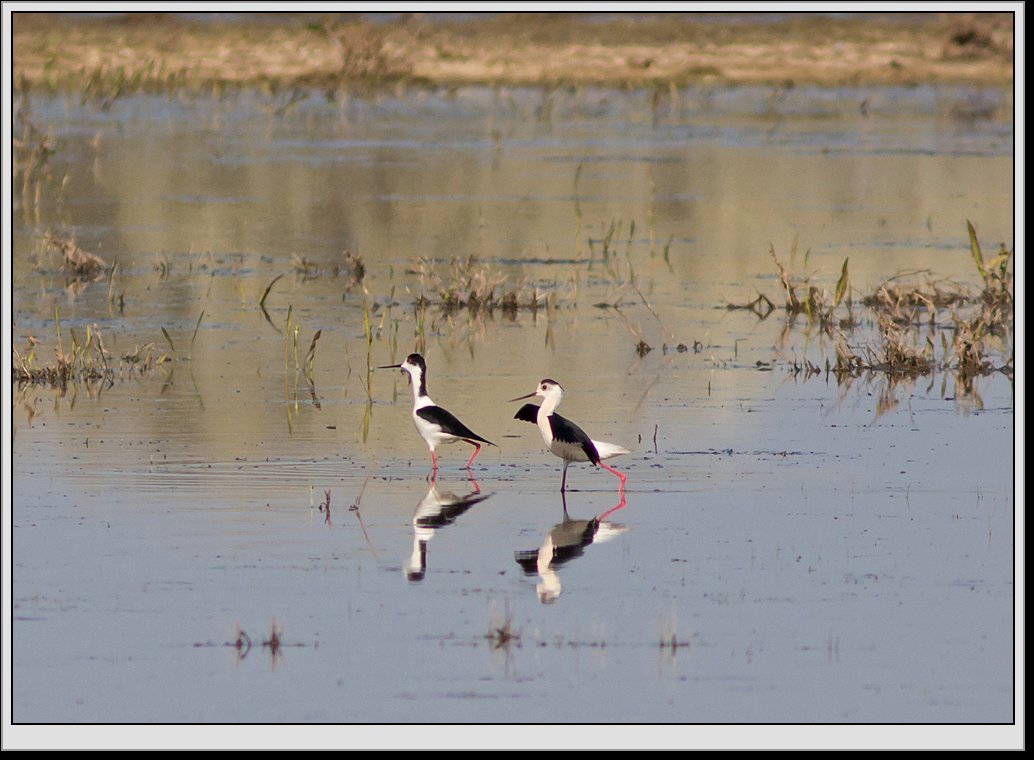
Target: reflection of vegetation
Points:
(500, 631)
(31, 155)
(242, 643)
(193, 337)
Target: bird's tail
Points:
(608, 450)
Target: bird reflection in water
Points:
(436, 510)
(565, 541)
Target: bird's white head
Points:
(550, 390)
(416, 368)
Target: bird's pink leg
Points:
(434, 461)
(621, 476)
(563, 480)
(477, 449)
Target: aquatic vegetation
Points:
(273, 641)
(816, 304)
(910, 329)
(265, 295)
(610, 258)
(609, 250)
(310, 356)
(894, 352)
(468, 284)
(77, 264)
(671, 642)
(898, 311)
(501, 633)
(503, 636)
(303, 268)
(996, 299)
(193, 336)
(291, 333)
(351, 266)
(242, 643)
(905, 301)
(88, 361)
(31, 153)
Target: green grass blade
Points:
(168, 339)
(196, 326)
(841, 285)
(269, 287)
(974, 248)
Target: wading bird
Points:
(563, 437)
(435, 425)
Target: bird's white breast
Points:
(431, 432)
(546, 429)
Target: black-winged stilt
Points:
(435, 425)
(563, 437)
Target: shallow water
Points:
(788, 550)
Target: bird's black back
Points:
(563, 429)
(449, 422)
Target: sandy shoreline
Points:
(144, 51)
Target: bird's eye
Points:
(543, 386)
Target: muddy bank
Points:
(156, 52)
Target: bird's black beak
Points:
(520, 398)
(390, 366)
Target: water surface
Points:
(789, 549)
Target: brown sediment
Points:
(147, 51)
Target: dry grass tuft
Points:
(816, 304)
(88, 362)
(78, 264)
(467, 284)
(980, 322)
(351, 266)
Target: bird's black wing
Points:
(528, 413)
(449, 422)
(564, 430)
